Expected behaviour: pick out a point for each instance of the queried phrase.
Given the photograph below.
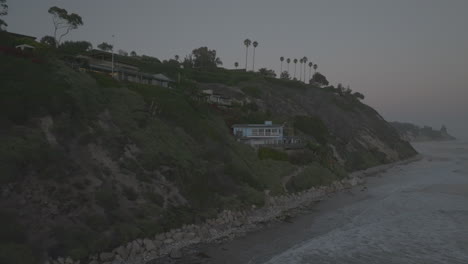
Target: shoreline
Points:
(196, 253)
(184, 244)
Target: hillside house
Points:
(217, 98)
(101, 61)
(259, 134)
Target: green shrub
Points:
(313, 175)
(269, 153)
(17, 253)
(313, 126)
(129, 193)
(252, 91)
(154, 198)
(107, 198)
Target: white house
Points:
(259, 134)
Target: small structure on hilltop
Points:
(25, 47)
(101, 61)
(266, 134)
(216, 98)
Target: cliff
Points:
(411, 132)
(88, 163)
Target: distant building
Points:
(25, 47)
(20, 36)
(101, 61)
(259, 134)
(217, 98)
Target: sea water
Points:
(415, 213)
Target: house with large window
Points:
(259, 134)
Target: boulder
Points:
(122, 252)
(106, 256)
(178, 236)
(149, 245)
(168, 241)
(175, 254)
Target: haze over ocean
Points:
(407, 57)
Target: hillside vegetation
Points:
(88, 163)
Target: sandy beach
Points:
(411, 213)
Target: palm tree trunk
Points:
(246, 56)
(253, 62)
(295, 70)
(300, 72)
(281, 68)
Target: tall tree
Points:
(301, 60)
(288, 60)
(295, 65)
(176, 57)
(247, 43)
(281, 65)
(315, 67)
(205, 58)
(320, 79)
(133, 54)
(310, 70)
(285, 75)
(254, 44)
(236, 64)
(49, 40)
(267, 72)
(105, 46)
(305, 59)
(3, 12)
(64, 22)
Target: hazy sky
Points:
(408, 57)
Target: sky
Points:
(408, 57)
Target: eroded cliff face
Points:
(411, 132)
(359, 136)
(89, 164)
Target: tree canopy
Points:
(320, 79)
(105, 46)
(63, 21)
(75, 47)
(285, 75)
(3, 12)
(49, 40)
(202, 58)
(267, 73)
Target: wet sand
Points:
(414, 213)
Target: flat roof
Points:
(20, 35)
(255, 125)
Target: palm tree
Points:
(310, 69)
(247, 43)
(300, 69)
(295, 64)
(176, 57)
(305, 59)
(315, 67)
(236, 64)
(288, 60)
(254, 44)
(281, 67)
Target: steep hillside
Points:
(411, 132)
(88, 163)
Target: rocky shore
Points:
(227, 225)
